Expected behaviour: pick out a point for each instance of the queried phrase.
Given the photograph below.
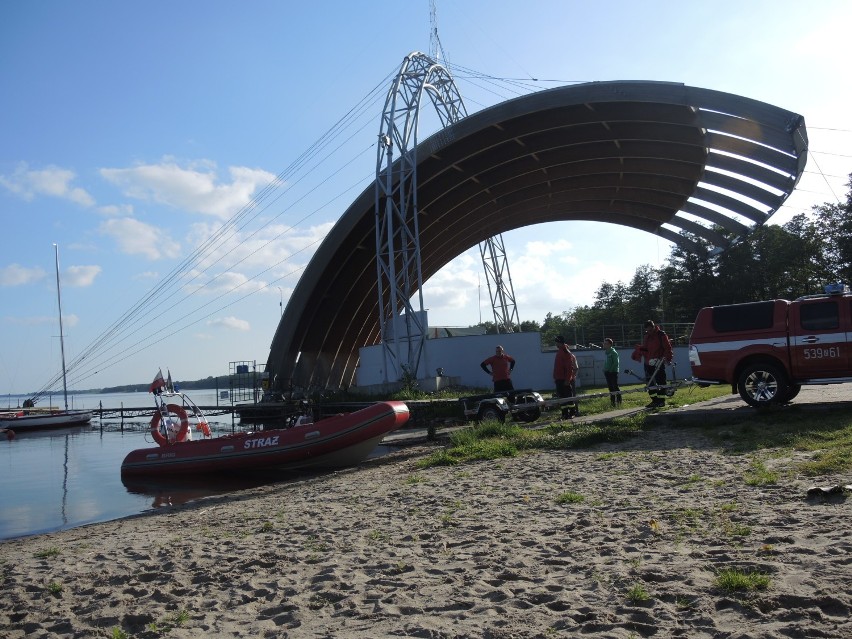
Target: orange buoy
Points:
(204, 427)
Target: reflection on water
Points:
(174, 491)
(58, 479)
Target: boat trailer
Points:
(527, 405)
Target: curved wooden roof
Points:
(659, 157)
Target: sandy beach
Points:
(482, 550)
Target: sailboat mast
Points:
(61, 335)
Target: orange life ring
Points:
(161, 439)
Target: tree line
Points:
(774, 262)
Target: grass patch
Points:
(759, 475)
(54, 588)
(734, 529)
(570, 498)
(828, 461)
(689, 518)
(827, 434)
(493, 440)
(378, 535)
(168, 624)
(610, 456)
(690, 481)
(733, 580)
(46, 553)
(637, 594)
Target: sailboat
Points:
(31, 418)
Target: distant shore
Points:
(625, 540)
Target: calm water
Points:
(57, 479)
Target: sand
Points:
(480, 550)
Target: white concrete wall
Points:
(460, 358)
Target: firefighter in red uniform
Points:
(656, 351)
(564, 376)
(502, 364)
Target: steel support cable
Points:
(96, 366)
(825, 179)
(107, 352)
(211, 243)
(175, 290)
(126, 353)
(156, 335)
(271, 283)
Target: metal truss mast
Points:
(500, 290)
(398, 265)
(403, 330)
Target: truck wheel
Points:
(491, 412)
(792, 391)
(763, 384)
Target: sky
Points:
(131, 133)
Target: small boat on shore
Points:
(334, 442)
(32, 419)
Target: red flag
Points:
(158, 382)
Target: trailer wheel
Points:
(528, 415)
(491, 412)
(762, 385)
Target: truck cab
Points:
(768, 350)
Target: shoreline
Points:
(488, 549)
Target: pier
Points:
(423, 413)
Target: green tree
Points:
(834, 227)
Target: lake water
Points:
(57, 479)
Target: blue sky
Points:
(130, 132)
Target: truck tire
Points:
(762, 385)
(491, 412)
(792, 391)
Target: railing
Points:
(629, 334)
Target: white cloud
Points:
(137, 238)
(292, 247)
(51, 181)
(81, 275)
(546, 249)
(195, 187)
(221, 284)
(547, 277)
(116, 210)
(17, 275)
(147, 275)
(231, 322)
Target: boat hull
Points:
(41, 421)
(334, 442)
